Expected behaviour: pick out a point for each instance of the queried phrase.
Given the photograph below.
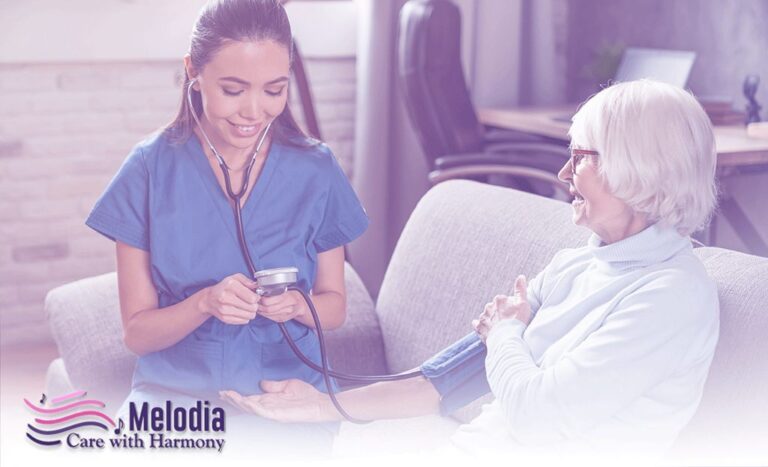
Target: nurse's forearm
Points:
(158, 328)
(331, 310)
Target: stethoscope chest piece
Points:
(275, 281)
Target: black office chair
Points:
(439, 106)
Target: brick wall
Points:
(64, 131)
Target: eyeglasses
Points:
(578, 154)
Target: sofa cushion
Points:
(356, 347)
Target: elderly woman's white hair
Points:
(657, 150)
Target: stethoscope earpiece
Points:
(219, 159)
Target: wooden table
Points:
(734, 147)
(736, 152)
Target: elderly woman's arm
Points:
(294, 400)
(637, 346)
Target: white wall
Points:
(497, 59)
(74, 100)
(44, 31)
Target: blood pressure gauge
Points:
(275, 281)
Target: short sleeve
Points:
(344, 218)
(122, 211)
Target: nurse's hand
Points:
(231, 301)
(290, 400)
(283, 307)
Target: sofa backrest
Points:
(734, 405)
(466, 242)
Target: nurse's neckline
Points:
(260, 157)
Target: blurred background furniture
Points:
(734, 147)
(305, 94)
(464, 242)
(304, 89)
(737, 154)
(456, 144)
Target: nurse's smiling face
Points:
(243, 87)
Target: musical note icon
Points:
(120, 427)
(42, 399)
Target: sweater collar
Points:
(650, 246)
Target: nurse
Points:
(186, 296)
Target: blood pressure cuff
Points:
(458, 373)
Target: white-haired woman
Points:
(608, 348)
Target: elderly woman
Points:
(608, 348)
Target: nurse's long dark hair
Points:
(236, 20)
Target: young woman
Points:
(187, 296)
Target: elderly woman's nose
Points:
(566, 173)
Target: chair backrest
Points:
(466, 241)
(431, 79)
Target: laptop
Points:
(667, 66)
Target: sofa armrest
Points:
(84, 317)
(57, 379)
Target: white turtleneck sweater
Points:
(615, 358)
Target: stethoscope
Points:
(279, 280)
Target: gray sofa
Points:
(464, 243)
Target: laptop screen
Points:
(668, 66)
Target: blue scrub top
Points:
(165, 199)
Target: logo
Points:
(46, 430)
(70, 422)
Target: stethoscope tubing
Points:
(222, 163)
(324, 367)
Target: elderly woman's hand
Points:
(504, 307)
